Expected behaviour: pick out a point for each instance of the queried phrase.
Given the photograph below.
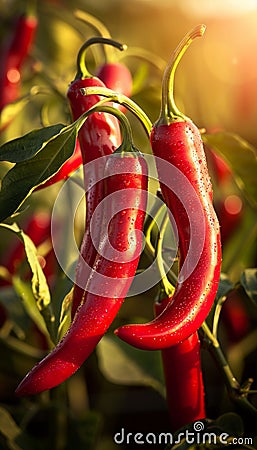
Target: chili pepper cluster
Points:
(116, 189)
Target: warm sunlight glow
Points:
(219, 7)
(233, 204)
(13, 75)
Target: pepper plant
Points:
(66, 325)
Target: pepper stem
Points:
(99, 28)
(127, 138)
(122, 100)
(170, 111)
(167, 286)
(82, 70)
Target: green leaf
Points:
(225, 286)
(232, 423)
(20, 181)
(39, 284)
(241, 157)
(9, 429)
(64, 320)
(84, 430)
(136, 368)
(23, 289)
(249, 283)
(15, 311)
(27, 146)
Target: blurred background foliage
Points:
(216, 85)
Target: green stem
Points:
(169, 110)
(146, 55)
(122, 100)
(31, 8)
(216, 316)
(149, 248)
(233, 386)
(168, 288)
(97, 26)
(150, 227)
(124, 122)
(82, 70)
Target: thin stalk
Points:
(82, 70)
(150, 250)
(232, 384)
(216, 316)
(169, 109)
(167, 286)
(124, 122)
(95, 23)
(150, 228)
(145, 55)
(122, 100)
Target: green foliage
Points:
(130, 365)
(249, 282)
(39, 287)
(27, 146)
(20, 181)
(241, 157)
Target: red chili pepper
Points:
(99, 136)
(183, 379)
(115, 76)
(221, 171)
(66, 170)
(13, 57)
(125, 180)
(177, 144)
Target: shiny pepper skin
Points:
(99, 137)
(117, 77)
(179, 145)
(125, 182)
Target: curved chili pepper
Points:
(125, 183)
(99, 136)
(13, 57)
(69, 167)
(178, 148)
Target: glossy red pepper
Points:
(99, 136)
(125, 181)
(183, 379)
(117, 77)
(221, 171)
(68, 168)
(13, 56)
(178, 148)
